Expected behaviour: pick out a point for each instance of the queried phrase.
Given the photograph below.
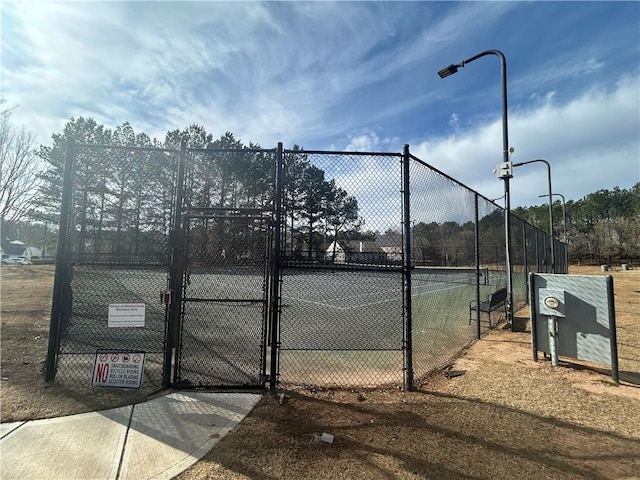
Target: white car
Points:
(16, 261)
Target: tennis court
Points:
(215, 237)
(223, 333)
(325, 290)
(352, 289)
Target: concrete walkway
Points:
(157, 439)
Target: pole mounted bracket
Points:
(504, 170)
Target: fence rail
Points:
(290, 267)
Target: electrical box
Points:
(583, 312)
(504, 170)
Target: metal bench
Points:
(494, 301)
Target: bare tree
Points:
(19, 167)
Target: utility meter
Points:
(551, 302)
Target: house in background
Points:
(17, 248)
(356, 251)
(391, 245)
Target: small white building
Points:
(17, 248)
(356, 251)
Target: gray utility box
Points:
(575, 315)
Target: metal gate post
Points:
(477, 260)
(61, 254)
(176, 247)
(406, 257)
(274, 291)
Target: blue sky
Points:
(348, 76)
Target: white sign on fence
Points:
(126, 314)
(117, 369)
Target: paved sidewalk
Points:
(157, 439)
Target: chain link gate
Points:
(222, 317)
(225, 302)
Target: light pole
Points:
(564, 214)
(450, 70)
(550, 194)
(564, 228)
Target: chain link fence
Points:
(342, 282)
(290, 267)
(112, 251)
(443, 273)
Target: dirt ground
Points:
(493, 414)
(25, 309)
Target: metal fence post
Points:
(612, 327)
(61, 253)
(176, 247)
(526, 261)
(477, 260)
(537, 252)
(406, 257)
(274, 291)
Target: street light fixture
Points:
(550, 195)
(450, 70)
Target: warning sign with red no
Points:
(118, 369)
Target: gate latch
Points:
(165, 296)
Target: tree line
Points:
(602, 227)
(124, 198)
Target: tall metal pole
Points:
(564, 228)
(61, 262)
(477, 262)
(564, 219)
(553, 250)
(507, 192)
(176, 273)
(275, 271)
(553, 255)
(564, 235)
(406, 267)
(451, 69)
(525, 259)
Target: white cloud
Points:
(262, 70)
(551, 74)
(375, 181)
(591, 142)
(371, 142)
(321, 73)
(78, 55)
